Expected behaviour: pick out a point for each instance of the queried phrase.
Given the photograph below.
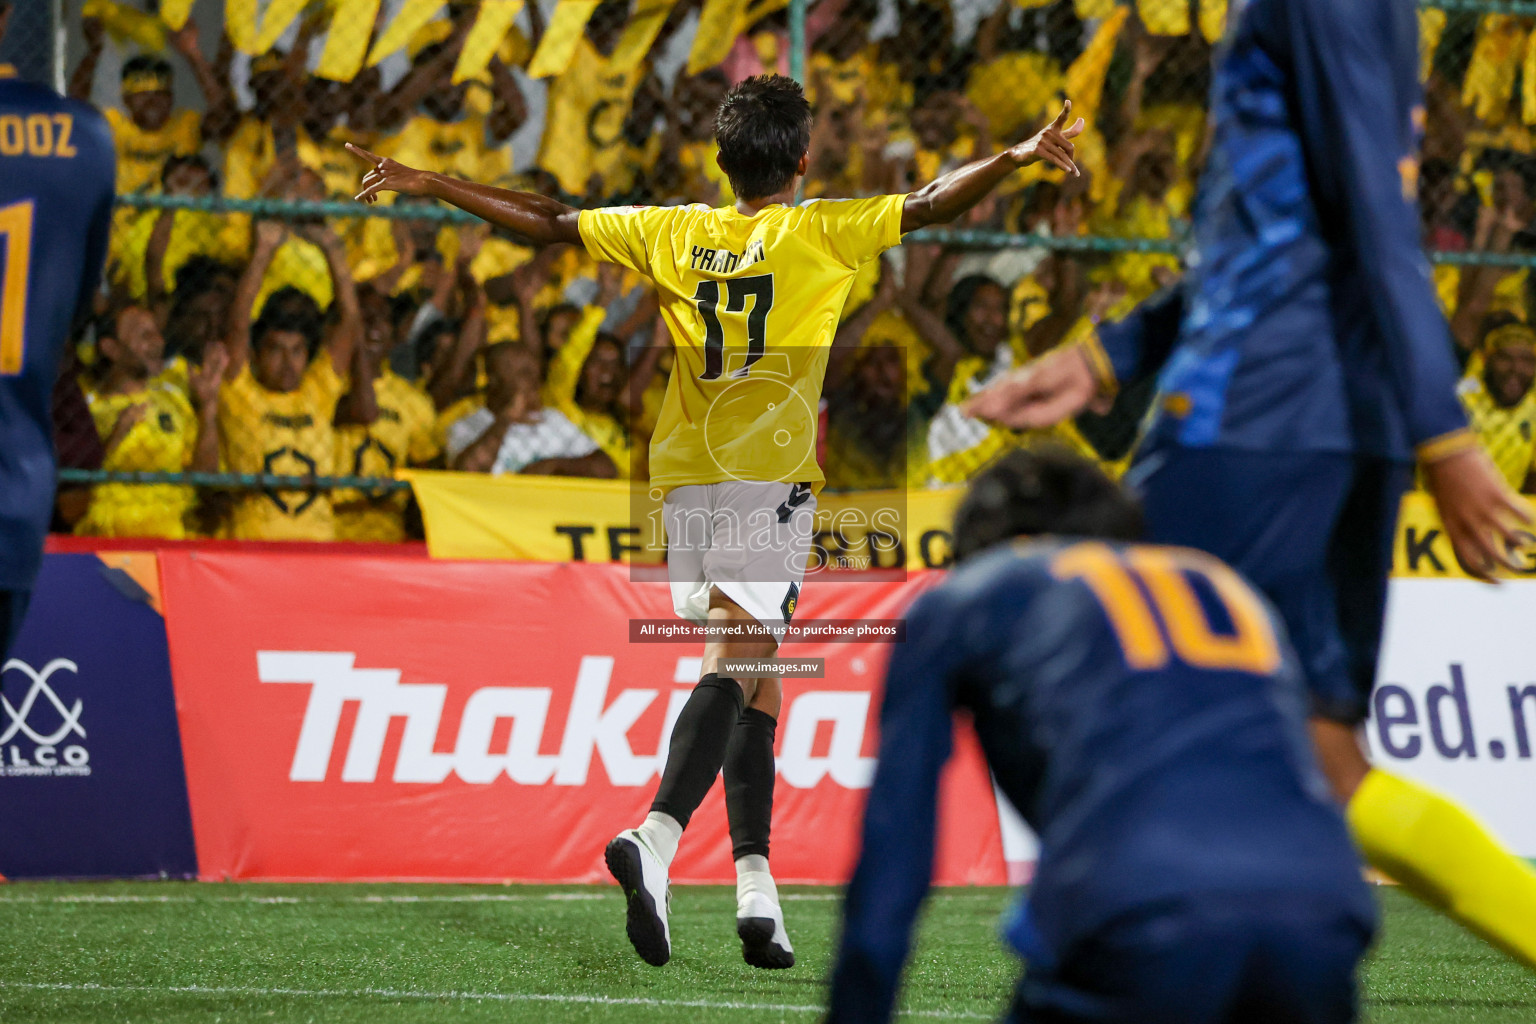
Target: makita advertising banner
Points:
(380, 718)
(91, 779)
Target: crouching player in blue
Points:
(1142, 708)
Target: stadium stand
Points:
(236, 215)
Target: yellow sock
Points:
(1439, 853)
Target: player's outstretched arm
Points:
(539, 219)
(947, 197)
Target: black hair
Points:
(272, 321)
(176, 161)
(960, 296)
(1030, 493)
(198, 274)
(145, 63)
(289, 309)
(763, 129)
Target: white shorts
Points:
(749, 539)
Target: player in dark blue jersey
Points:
(1303, 366)
(1143, 710)
(57, 168)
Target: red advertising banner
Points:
(397, 718)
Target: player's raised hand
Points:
(1053, 143)
(1054, 387)
(388, 176)
(1481, 514)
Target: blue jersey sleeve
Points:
(1138, 345)
(1354, 69)
(896, 858)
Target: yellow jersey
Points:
(193, 233)
(141, 155)
(752, 304)
(402, 434)
(1508, 435)
(163, 441)
(284, 433)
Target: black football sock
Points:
(749, 773)
(697, 750)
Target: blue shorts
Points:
(1234, 960)
(1313, 531)
(13, 608)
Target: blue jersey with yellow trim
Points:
(1140, 706)
(1307, 320)
(56, 184)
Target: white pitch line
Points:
(473, 898)
(499, 997)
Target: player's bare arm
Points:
(947, 197)
(1483, 516)
(539, 219)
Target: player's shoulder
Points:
(1009, 572)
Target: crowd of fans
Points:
(354, 346)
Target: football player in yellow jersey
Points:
(278, 401)
(147, 425)
(752, 295)
(1501, 404)
(384, 422)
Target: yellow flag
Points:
(639, 34)
(719, 24)
(1213, 19)
(346, 44)
(1528, 82)
(240, 22)
(1165, 17)
(1431, 28)
(412, 18)
(280, 14)
(175, 12)
(490, 28)
(1500, 46)
(1084, 81)
(126, 24)
(558, 46)
(1094, 8)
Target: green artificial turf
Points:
(170, 952)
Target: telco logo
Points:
(1446, 724)
(30, 736)
(593, 726)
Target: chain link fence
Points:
(266, 352)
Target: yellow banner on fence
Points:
(559, 519)
(1421, 550)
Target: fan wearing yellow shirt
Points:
(1501, 403)
(149, 129)
(752, 295)
(585, 379)
(382, 424)
(148, 425)
(278, 401)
